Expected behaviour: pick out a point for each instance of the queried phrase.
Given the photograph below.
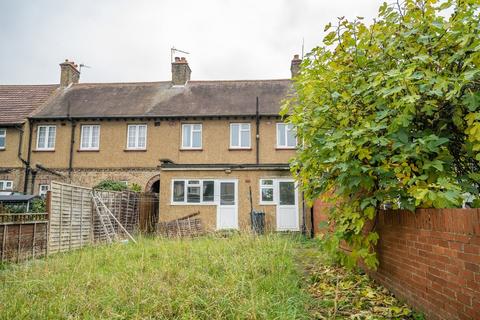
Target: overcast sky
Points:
(127, 41)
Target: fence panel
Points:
(71, 217)
(23, 236)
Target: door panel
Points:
(227, 213)
(287, 208)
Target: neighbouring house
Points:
(17, 102)
(214, 147)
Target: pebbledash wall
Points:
(430, 259)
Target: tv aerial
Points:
(82, 65)
(173, 50)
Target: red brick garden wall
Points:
(431, 259)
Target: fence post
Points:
(33, 239)
(18, 244)
(48, 207)
(5, 230)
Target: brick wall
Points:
(431, 259)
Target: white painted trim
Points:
(182, 147)
(235, 181)
(286, 146)
(90, 137)
(240, 135)
(47, 135)
(137, 135)
(297, 218)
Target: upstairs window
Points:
(6, 185)
(286, 136)
(46, 137)
(240, 136)
(137, 136)
(192, 136)
(90, 139)
(3, 137)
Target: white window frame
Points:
(264, 186)
(3, 134)
(90, 137)
(186, 184)
(183, 146)
(239, 124)
(137, 136)
(288, 127)
(47, 136)
(6, 185)
(41, 192)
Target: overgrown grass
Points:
(239, 277)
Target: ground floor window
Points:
(193, 191)
(43, 189)
(6, 185)
(266, 191)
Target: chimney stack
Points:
(180, 71)
(295, 66)
(68, 73)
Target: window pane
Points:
(287, 193)
(41, 137)
(227, 193)
(197, 139)
(281, 134)
(186, 135)
(178, 191)
(245, 139)
(267, 182)
(51, 137)
(208, 188)
(142, 136)
(197, 127)
(3, 133)
(246, 126)
(132, 136)
(291, 139)
(85, 136)
(193, 194)
(95, 136)
(235, 135)
(267, 194)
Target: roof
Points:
(17, 198)
(17, 102)
(162, 99)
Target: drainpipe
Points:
(72, 143)
(257, 136)
(20, 143)
(29, 155)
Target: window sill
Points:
(135, 150)
(267, 204)
(191, 149)
(286, 148)
(239, 149)
(88, 150)
(3, 149)
(43, 150)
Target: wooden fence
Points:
(71, 220)
(23, 236)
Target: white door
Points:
(287, 205)
(227, 208)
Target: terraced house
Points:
(217, 147)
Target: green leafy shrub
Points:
(390, 116)
(117, 186)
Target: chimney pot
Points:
(68, 73)
(180, 71)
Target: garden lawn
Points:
(239, 277)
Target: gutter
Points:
(67, 117)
